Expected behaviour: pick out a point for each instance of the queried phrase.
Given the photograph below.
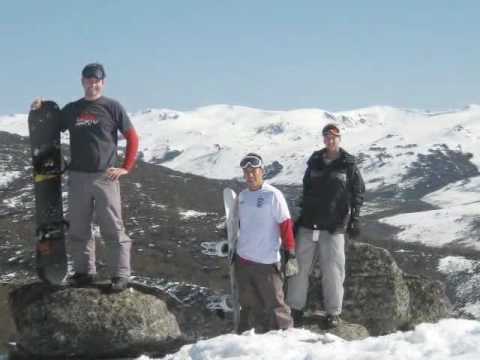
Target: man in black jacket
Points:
(333, 191)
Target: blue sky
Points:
(334, 55)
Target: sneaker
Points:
(119, 283)
(333, 321)
(81, 279)
(297, 316)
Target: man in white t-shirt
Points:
(265, 227)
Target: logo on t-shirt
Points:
(86, 120)
(260, 201)
(342, 177)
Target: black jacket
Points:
(332, 194)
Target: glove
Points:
(353, 228)
(291, 266)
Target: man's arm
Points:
(357, 194)
(132, 148)
(286, 234)
(130, 155)
(288, 244)
(357, 188)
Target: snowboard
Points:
(232, 226)
(47, 161)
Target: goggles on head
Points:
(331, 130)
(251, 161)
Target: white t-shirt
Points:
(260, 213)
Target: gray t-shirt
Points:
(93, 128)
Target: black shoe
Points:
(333, 321)
(297, 316)
(119, 284)
(81, 279)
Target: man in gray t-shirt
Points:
(93, 123)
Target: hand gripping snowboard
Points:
(44, 130)
(231, 222)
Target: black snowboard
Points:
(44, 129)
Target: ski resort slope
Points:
(433, 156)
(449, 339)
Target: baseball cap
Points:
(331, 129)
(94, 70)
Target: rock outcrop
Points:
(345, 330)
(91, 322)
(380, 296)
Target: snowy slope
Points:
(410, 153)
(212, 139)
(449, 339)
(15, 124)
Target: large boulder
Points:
(428, 302)
(91, 322)
(376, 293)
(380, 296)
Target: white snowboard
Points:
(230, 202)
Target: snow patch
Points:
(189, 214)
(449, 339)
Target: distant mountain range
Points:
(426, 160)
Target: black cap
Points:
(94, 70)
(331, 129)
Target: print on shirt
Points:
(260, 201)
(342, 177)
(86, 119)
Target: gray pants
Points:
(261, 297)
(89, 193)
(329, 252)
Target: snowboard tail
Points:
(48, 166)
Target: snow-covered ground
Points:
(449, 339)
(210, 141)
(452, 224)
(448, 226)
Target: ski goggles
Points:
(251, 161)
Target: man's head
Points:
(93, 80)
(331, 137)
(253, 171)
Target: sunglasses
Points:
(251, 161)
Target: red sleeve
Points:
(286, 233)
(132, 148)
